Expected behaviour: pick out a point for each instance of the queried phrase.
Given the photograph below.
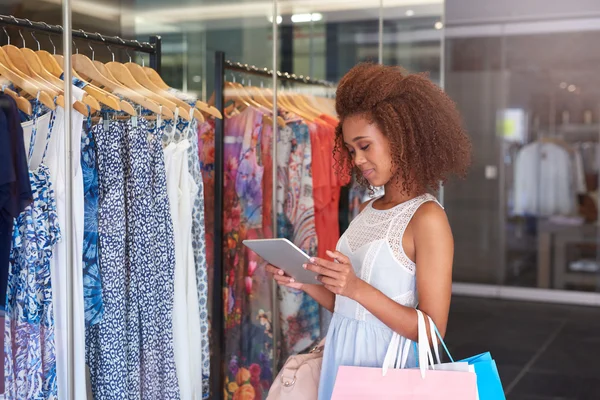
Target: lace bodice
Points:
(373, 242)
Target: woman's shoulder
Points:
(430, 218)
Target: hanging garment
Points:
(189, 131)
(373, 242)
(182, 190)
(544, 181)
(15, 187)
(149, 237)
(199, 248)
(248, 316)
(29, 349)
(59, 266)
(300, 316)
(107, 344)
(164, 271)
(92, 280)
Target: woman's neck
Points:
(395, 195)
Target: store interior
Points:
(525, 218)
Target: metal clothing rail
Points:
(218, 326)
(284, 76)
(153, 47)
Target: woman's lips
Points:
(367, 173)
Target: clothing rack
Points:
(153, 47)
(284, 76)
(218, 327)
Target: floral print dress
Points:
(300, 314)
(29, 348)
(247, 291)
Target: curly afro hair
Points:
(427, 139)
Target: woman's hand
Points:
(338, 277)
(282, 279)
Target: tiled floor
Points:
(543, 351)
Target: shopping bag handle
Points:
(399, 348)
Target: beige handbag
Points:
(299, 377)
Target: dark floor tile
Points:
(534, 397)
(554, 386)
(508, 373)
(570, 355)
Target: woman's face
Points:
(369, 149)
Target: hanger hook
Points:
(50, 38)
(126, 48)
(37, 41)
(141, 54)
(76, 48)
(92, 49)
(7, 35)
(33, 34)
(22, 38)
(85, 35)
(107, 46)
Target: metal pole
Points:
(442, 81)
(156, 55)
(380, 35)
(68, 167)
(218, 326)
(274, 286)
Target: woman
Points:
(399, 131)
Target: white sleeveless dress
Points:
(373, 242)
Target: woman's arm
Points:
(434, 252)
(321, 295)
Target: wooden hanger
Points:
(156, 78)
(200, 105)
(16, 61)
(122, 74)
(22, 103)
(140, 76)
(37, 69)
(27, 85)
(87, 68)
(258, 96)
(55, 69)
(283, 100)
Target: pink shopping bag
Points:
(451, 381)
(356, 383)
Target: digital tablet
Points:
(284, 255)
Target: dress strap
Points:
(50, 128)
(36, 111)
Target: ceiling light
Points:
(572, 88)
(438, 25)
(563, 85)
(296, 18)
(410, 13)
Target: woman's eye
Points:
(365, 147)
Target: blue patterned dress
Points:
(106, 342)
(92, 281)
(29, 349)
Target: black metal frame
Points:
(283, 76)
(218, 326)
(153, 47)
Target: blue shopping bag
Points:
(489, 384)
